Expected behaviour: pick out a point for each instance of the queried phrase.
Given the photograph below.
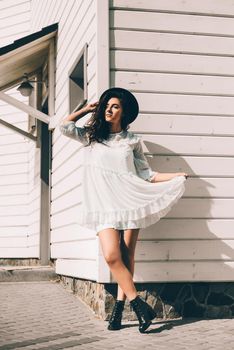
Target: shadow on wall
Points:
(194, 215)
(198, 239)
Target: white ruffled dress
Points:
(117, 190)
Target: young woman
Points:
(121, 193)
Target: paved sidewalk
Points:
(44, 315)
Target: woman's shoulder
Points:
(132, 137)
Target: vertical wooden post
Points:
(46, 159)
(43, 249)
(45, 194)
(51, 77)
(103, 83)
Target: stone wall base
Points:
(24, 262)
(170, 300)
(19, 262)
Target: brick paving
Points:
(46, 316)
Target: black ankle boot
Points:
(116, 316)
(144, 313)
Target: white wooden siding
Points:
(208, 7)
(74, 247)
(14, 190)
(179, 271)
(177, 58)
(18, 202)
(34, 193)
(15, 20)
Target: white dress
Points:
(116, 187)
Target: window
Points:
(78, 82)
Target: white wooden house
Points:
(177, 57)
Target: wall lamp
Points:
(25, 87)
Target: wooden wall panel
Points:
(77, 27)
(177, 59)
(207, 7)
(14, 190)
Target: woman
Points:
(121, 193)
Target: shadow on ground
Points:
(160, 326)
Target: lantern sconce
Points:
(25, 87)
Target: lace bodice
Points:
(125, 152)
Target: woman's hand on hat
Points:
(90, 107)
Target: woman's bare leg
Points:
(109, 239)
(127, 247)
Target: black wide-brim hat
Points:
(130, 101)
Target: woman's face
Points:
(113, 111)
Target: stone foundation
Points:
(19, 262)
(24, 262)
(170, 300)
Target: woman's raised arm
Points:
(81, 112)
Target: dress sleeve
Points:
(69, 129)
(141, 164)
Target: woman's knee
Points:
(112, 258)
(109, 239)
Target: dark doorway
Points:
(46, 155)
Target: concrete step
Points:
(27, 273)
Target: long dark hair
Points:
(97, 128)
